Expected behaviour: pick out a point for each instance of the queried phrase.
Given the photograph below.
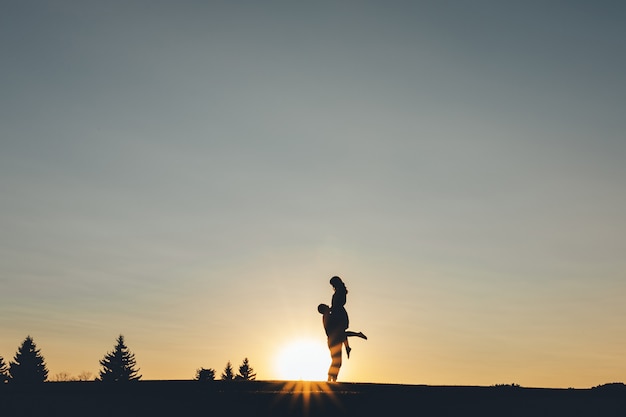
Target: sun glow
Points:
(304, 359)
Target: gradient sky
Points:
(191, 173)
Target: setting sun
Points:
(303, 359)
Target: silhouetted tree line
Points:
(513, 385)
(246, 373)
(119, 365)
(611, 386)
(29, 366)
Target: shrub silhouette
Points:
(63, 377)
(119, 365)
(28, 365)
(85, 376)
(611, 386)
(203, 374)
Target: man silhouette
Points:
(335, 334)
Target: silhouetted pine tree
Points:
(228, 374)
(203, 374)
(28, 365)
(4, 371)
(246, 373)
(119, 365)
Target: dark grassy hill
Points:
(280, 398)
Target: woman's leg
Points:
(357, 334)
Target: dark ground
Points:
(284, 398)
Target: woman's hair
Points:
(336, 282)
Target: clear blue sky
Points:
(190, 174)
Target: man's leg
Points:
(335, 365)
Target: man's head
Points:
(323, 308)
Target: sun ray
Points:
(304, 395)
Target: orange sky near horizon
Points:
(402, 347)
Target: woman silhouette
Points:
(339, 312)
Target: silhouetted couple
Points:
(336, 322)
